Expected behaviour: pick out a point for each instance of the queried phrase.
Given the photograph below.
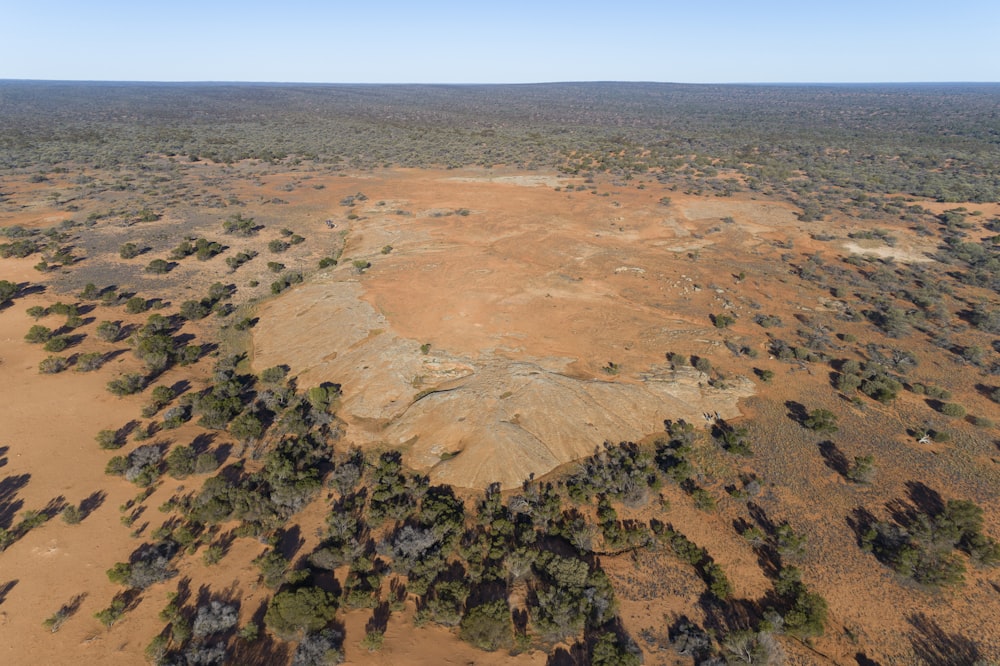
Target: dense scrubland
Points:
(848, 517)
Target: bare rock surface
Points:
(465, 420)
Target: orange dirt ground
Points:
(523, 302)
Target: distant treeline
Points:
(936, 140)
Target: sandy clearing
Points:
(492, 334)
(884, 252)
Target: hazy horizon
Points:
(459, 84)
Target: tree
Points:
(136, 305)
(821, 420)
(159, 267)
(52, 365)
(38, 334)
(180, 462)
(608, 651)
(109, 439)
(8, 290)
(109, 331)
(488, 626)
(242, 226)
(127, 384)
(306, 609)
(862, 470)
(246, 428)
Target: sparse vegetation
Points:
(896, 344)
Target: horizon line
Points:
(507, 83)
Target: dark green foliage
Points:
(129, 251)
(986, 317)
(922, 548)
(136, 305)
(672, 455)
(862, 469)
(127, 384)
(821, 420)
(239, 225)
(952, 409)
(806, 612)
(239, 259)
(246, 427)
(56, 343)
(20, 248)
(205, 463)
(286, 280)
(767, 321)
(112, 613)
(571, 596)
(110, 439)
(38, 334)
(72, 515)
(288, 481)
(159, 267)
(52, 365)
(734, 439)
(609, 651)
(8, 290)
(180, 462)
(876, 383)
(623, 473)
(162, 395)
(392, 495)
(306, 609)
(722, 320)
(109, 331)
(116, 466)
(273, 567)
(274, 375)
(703, 499)
(194, 310)
(488, 626)
(220, 405)
(206, 249)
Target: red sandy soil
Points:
(562, 281)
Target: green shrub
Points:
(38, 334)
(306, 609)
(159, 267)
(952, 409)
(821, 420)
(488, 626)
(722, 320)
(127, 384)
(56, 343)
(109, 439)
(52, 365)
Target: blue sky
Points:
(383, 41)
